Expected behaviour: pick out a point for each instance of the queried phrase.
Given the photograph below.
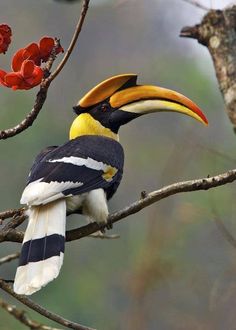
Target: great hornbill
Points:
(82, 174)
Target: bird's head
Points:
(118, 100)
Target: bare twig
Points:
(21, 316)
(151, 198)
(53, 55)
(42, 94)
(78, 29)
(39, 309)
(9, 258)
(197, 4)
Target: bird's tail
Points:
(43, 247)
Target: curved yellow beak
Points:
(146, 99)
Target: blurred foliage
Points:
(171, 268)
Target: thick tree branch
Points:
(217, 32)
(10, 213)
(15, 222)
(155, 196)
(11, 235)
(54, 317)
(42, 94)
(146, 200)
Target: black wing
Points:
(80, 165)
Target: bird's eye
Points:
(104, 107)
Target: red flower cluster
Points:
(26, 63)
(35, 52)
(5, 37)
(27, 77)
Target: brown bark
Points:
(217, 32)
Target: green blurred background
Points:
(171, 268)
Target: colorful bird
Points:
(82, 174)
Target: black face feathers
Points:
(103, 112)
(131, 82)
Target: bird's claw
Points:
(109, 225)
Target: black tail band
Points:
(42, 248)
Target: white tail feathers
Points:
(43, 247)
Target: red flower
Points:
(26, 62)
(5, 37)
(29, 76)
(46, 45)
(35, 52)
(2, 78)
(31, 52)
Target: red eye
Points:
(104, 107)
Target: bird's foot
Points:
(109, 224)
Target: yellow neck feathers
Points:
(85, 124)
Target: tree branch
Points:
(42, 94)
(20, 315)
(217, 33)
(146, 200)
(39, 309)
(155, 196)
(10, 213)
(15, 222)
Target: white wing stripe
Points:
(38, 192)
(88, 162)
